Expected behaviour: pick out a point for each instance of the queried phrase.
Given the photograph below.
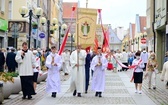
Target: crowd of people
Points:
(80, 64)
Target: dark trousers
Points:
(10, 69)
(144, 69)
(1, 68)
(123, 68)
(167, 84)
(27, 85)
(87, 76)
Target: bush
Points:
(6, 77)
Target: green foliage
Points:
(6, 77)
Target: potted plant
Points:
(62, 35)
(34, 25)
(51, 31)
(16, 87)
(7, 81)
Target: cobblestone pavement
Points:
(160, 95)
(118, 91)
(17, 98)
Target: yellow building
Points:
(3, 22)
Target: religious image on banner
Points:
(85, 28)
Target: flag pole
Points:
(77, 39)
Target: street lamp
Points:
(43, 22)
(59, 28)
(38, 12)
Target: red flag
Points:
(66, 35)
(105, 34)
(96, 44)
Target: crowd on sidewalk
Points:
(79, 64)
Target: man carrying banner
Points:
(77, 60)
(99, 65)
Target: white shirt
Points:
(140, 66)
(144, 56)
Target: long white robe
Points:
(25, 65)
(66, 62)
(78, 76)
(53, 79)
(119, 57)
(98, 80)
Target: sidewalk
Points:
(118, 91)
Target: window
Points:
(2, 5)
(112, 39)
(10, 10)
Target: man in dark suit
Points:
(2, 61)
(10, 61)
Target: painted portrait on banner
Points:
(86, 26)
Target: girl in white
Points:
(36, 71)
(138, 72)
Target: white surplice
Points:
(98, 80)
(25, 65)
(66, 62)
(53, 79)
(78, 75)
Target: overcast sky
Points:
(117, 12)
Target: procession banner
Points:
(85, 30)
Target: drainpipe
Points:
(153, 28)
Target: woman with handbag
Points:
(151, 70)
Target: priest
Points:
(66, 61)
(99, 65)
(53, 63)
(77, 60)
(26, 63)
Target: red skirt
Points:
(110, 66)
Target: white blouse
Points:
(140, 67)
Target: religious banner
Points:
(86, 27)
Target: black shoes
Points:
(74, 93)
(29, 97)
(53, 94)
(24, 97)
(154, 88)
(79, 95)
(98, 94)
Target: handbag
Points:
(156, 70)
(110, 66)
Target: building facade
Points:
(160, 14)
(3, 23)
(149, 24)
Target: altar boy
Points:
(99, 65)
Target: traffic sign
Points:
(42, 35)
(143, 40)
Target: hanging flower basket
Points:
(34, 25)
(62, 35)
(51, 31)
